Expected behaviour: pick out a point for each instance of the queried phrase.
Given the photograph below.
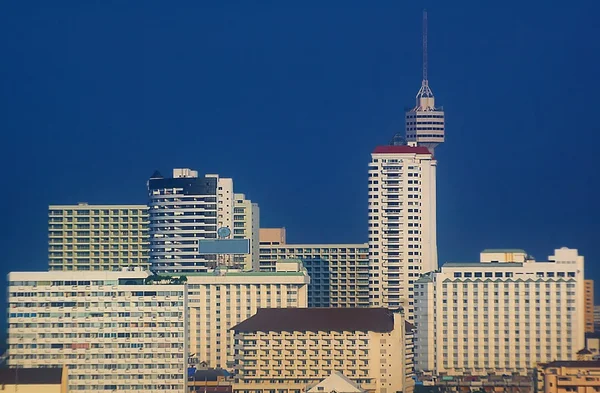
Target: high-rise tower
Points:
(402, 203)
(402, 223)
(425, 122)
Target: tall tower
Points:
(402, 223)
(425, 122)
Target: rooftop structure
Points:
(425, 122)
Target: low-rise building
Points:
(113, 331)
(571, 376)
(209, 380)
(501, 316)
(288, 350)
(33, 380)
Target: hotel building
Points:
(402, 223)
(220, 300)
(97, 237)
(287, 350)
(503, 315)
(339, 273)
(113, 331)
(186, 208)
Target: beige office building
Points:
(339, 273)
(503, 315)
(287, 350)
(220, 300)
(97, 237)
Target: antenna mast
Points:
(425, 46)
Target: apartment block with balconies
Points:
(113, 331)
(97, 237)
(290, 349)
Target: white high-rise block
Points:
(187, 208)
(402, 223)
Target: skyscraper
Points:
(184, 209)
(402, 203)
(402, 223)
(425, 122)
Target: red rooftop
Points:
(402, 149)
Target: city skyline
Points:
(467, 222)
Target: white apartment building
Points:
(288, 350)
(402, 223)
(220, 300)
(505, 314)
(246, 224)
(97, 237)
(339, 273)
(184, 209)
(113, 331)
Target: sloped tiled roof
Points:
(318, 319)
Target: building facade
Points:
(500, 316)
(97, 237)
(589, 306)
(402, 223)
(339, 273)
(186, 208)
(219, 301)
(113, 331)
(288, 350)
(246, 224)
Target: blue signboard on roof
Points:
(224, 246)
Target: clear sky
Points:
(289, 99)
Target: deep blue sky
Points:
(289, 99)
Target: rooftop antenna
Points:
(425, 46)
(424, 91)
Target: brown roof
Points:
(584, 351)
(408, 326)
(318, 319)
(574, 363)
(31, 376)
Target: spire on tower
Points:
(425, 122)
(424, 91)
(425, 45)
